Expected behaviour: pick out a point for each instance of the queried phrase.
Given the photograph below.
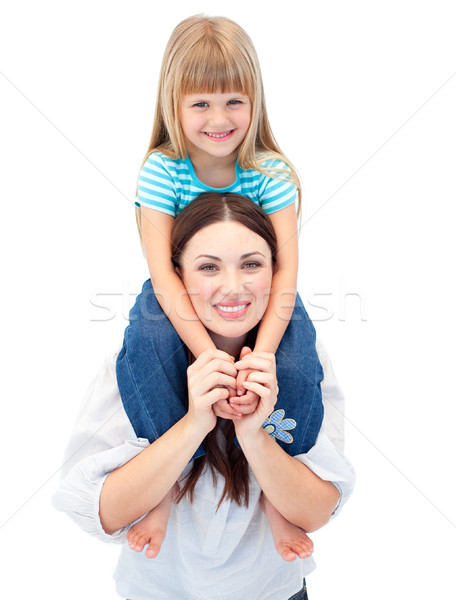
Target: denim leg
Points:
(302, 594)
(152, 369)
(152, 376)
(299, 374)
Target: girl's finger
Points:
(225, 411)
(245, 399)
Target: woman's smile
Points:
(232, 310)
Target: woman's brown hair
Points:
(221, 453)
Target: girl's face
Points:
(214, 124)
(227, 271)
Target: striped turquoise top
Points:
(168, 185)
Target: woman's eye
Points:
(252, 265)
(207, 268)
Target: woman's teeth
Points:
(231, 308)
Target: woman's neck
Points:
(231, 346)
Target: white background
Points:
(361, 97)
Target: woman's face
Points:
(227, 271)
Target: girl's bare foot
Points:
(143, 533)
(290, 541)
(151, 529)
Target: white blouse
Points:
(207, 554)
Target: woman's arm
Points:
(282, 299)
(169, 289)
(138, 486)
(296, 491)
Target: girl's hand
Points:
(263, 382)
(238, 404)
(245, 400)
(208, 379)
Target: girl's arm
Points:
(293, 489)
(138, 486)
(281, 301)
(169, 289)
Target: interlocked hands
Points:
(212, 381)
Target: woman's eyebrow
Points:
(251, 254)
(208, 256)
(244, 256)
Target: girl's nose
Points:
(219, 117)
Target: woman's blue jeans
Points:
(152, 377)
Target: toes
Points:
(288, 555)
(136, 540)
(155, 542)
(286, 552)
(153, 550)
(137, 545)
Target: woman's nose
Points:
(233, 283)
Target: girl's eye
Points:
(201, 104)
(234, 102)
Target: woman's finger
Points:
(206, 356)
(215, 380)
(220, 365)
(218, 379)
(257, 363)
(264, 392)
(262, 377)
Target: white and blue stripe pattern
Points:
(168, 185)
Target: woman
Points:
(218, 545)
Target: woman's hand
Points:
(209, 378)
(262, 380)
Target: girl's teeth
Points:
(231, 308)
(218, 135)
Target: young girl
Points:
(211, 133)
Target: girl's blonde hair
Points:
(205, 55)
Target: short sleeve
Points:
(277, 189)
(157, 185)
